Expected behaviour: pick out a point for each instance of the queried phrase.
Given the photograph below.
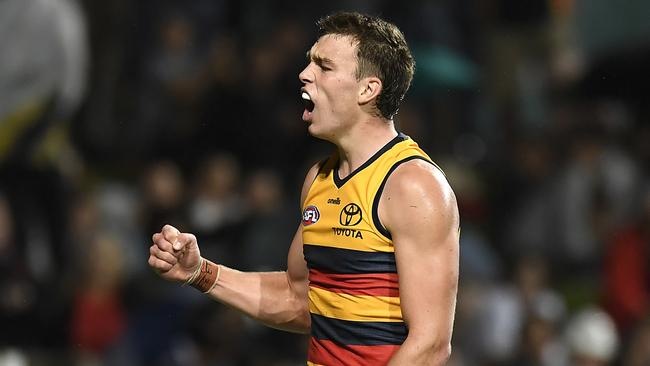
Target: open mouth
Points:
(307, 102)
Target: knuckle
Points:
(163, 256)
(169, 236)
(166, 257)
(168, 229)
(187, 238)
(163, 245)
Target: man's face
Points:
(330, 83)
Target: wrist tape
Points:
(205, 277)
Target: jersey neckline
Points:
(340, 182)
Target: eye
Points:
(325, 68)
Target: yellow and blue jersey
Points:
(354, 302)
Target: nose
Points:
(306, 75)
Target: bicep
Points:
(297, 272)
(296, 265)
(428, 280)
(420, 211)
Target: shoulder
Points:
(419, 177)
(310, 177)
(417, 191)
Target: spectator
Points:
(627, 272)
(592, 338)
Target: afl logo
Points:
(350, 215)
(310, 215)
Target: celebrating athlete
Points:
(372, 270)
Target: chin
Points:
(314, 131)
(322, 135)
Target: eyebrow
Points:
(318, 60)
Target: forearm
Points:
(264, 296)
(421, 353)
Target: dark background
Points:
(117, 117)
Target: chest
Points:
(342, 217)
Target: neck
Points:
(356, 147)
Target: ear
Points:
(369, 90)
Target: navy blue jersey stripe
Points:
(358, 333)
(347, 261)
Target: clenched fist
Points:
(174, 255)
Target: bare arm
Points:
(419, 209)
(276, 299)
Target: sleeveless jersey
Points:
(354, 301)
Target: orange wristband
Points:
(207, 276)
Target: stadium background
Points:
(119, 116)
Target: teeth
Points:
(305, 96)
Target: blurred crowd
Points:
(117, 117)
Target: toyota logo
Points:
(350, 215)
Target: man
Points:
(373, 268)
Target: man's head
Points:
(360, 66)
(381, 52)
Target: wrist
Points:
(205, 276)
(195, 272)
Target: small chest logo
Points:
(350, 215)
(334, 201)
(310, 215)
